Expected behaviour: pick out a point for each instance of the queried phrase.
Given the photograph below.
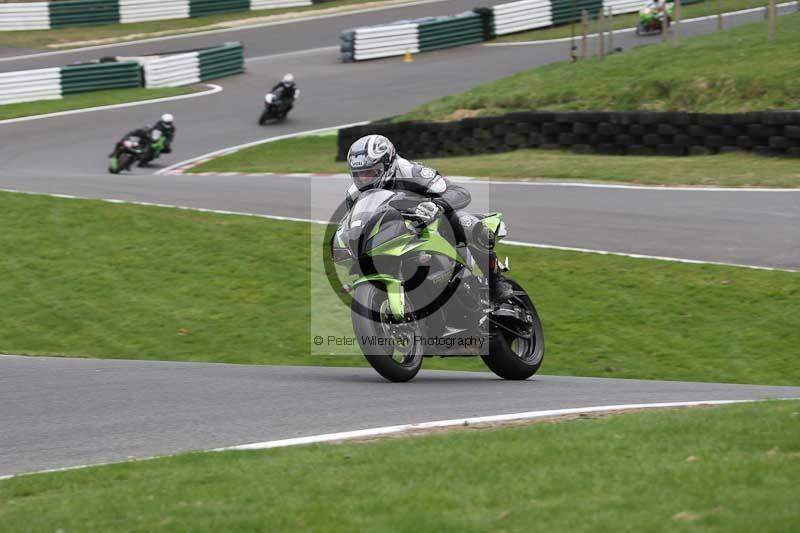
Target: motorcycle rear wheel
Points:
(512, 357)
(385, 359)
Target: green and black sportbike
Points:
(654, 17)
(125, 154)
(415, 294)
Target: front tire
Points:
(512, 357)
(395, 363)
(264, 117)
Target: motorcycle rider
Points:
(286, 90)
(166, 125)
(374, 163)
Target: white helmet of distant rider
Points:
(168, 118)
(288, 79)
(371, 159)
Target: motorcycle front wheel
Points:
(516, 354)
(391, 349)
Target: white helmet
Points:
(288, 78)
(168, 118)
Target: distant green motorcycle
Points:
(654, 18)
(415, 294)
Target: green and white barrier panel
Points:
(55, 83)
(186, 68)
(445, 32)
(71, 13)
(411, 36)
(171, 70)
(27, 85)
(24, 16)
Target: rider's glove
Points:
(427, 211)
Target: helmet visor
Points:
(364, 177)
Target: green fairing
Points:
(158, 146)
(394, 290)
(377, 227)
(493, 222)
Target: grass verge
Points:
(88, 100)
(110, 33)
(92, 279)
(317, 154)
(630, 20)
(705, 73)
(726, 469)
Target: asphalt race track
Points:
(757, 228)
(67, 412)
(66, 154)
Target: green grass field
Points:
(705, 73)
(726, 469)
(87, 100)
(62, 37)
(317, 154)
(701, 9)
(93, 279)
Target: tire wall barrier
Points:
(169, 70)
(614, 133)
(72, 13)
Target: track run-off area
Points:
(144, 409)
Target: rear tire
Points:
(367, 296)
(504, 357)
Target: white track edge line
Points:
(325, 222)
(221, 30)
(390, 430)
(629, 30)
(213, 89)
(238, 147)
(643, 256)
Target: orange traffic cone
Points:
(407, 57)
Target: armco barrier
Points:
(27, 85)
(69, 13)
(83, 13)
(201, 8)
(221, 61)
(522, 16)
(144, 10)
(185, 68)
(380, 41)
(445, 32)
(622, 133)
(565, 11)
(24, 16)
(171, 71)
(99, 76)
